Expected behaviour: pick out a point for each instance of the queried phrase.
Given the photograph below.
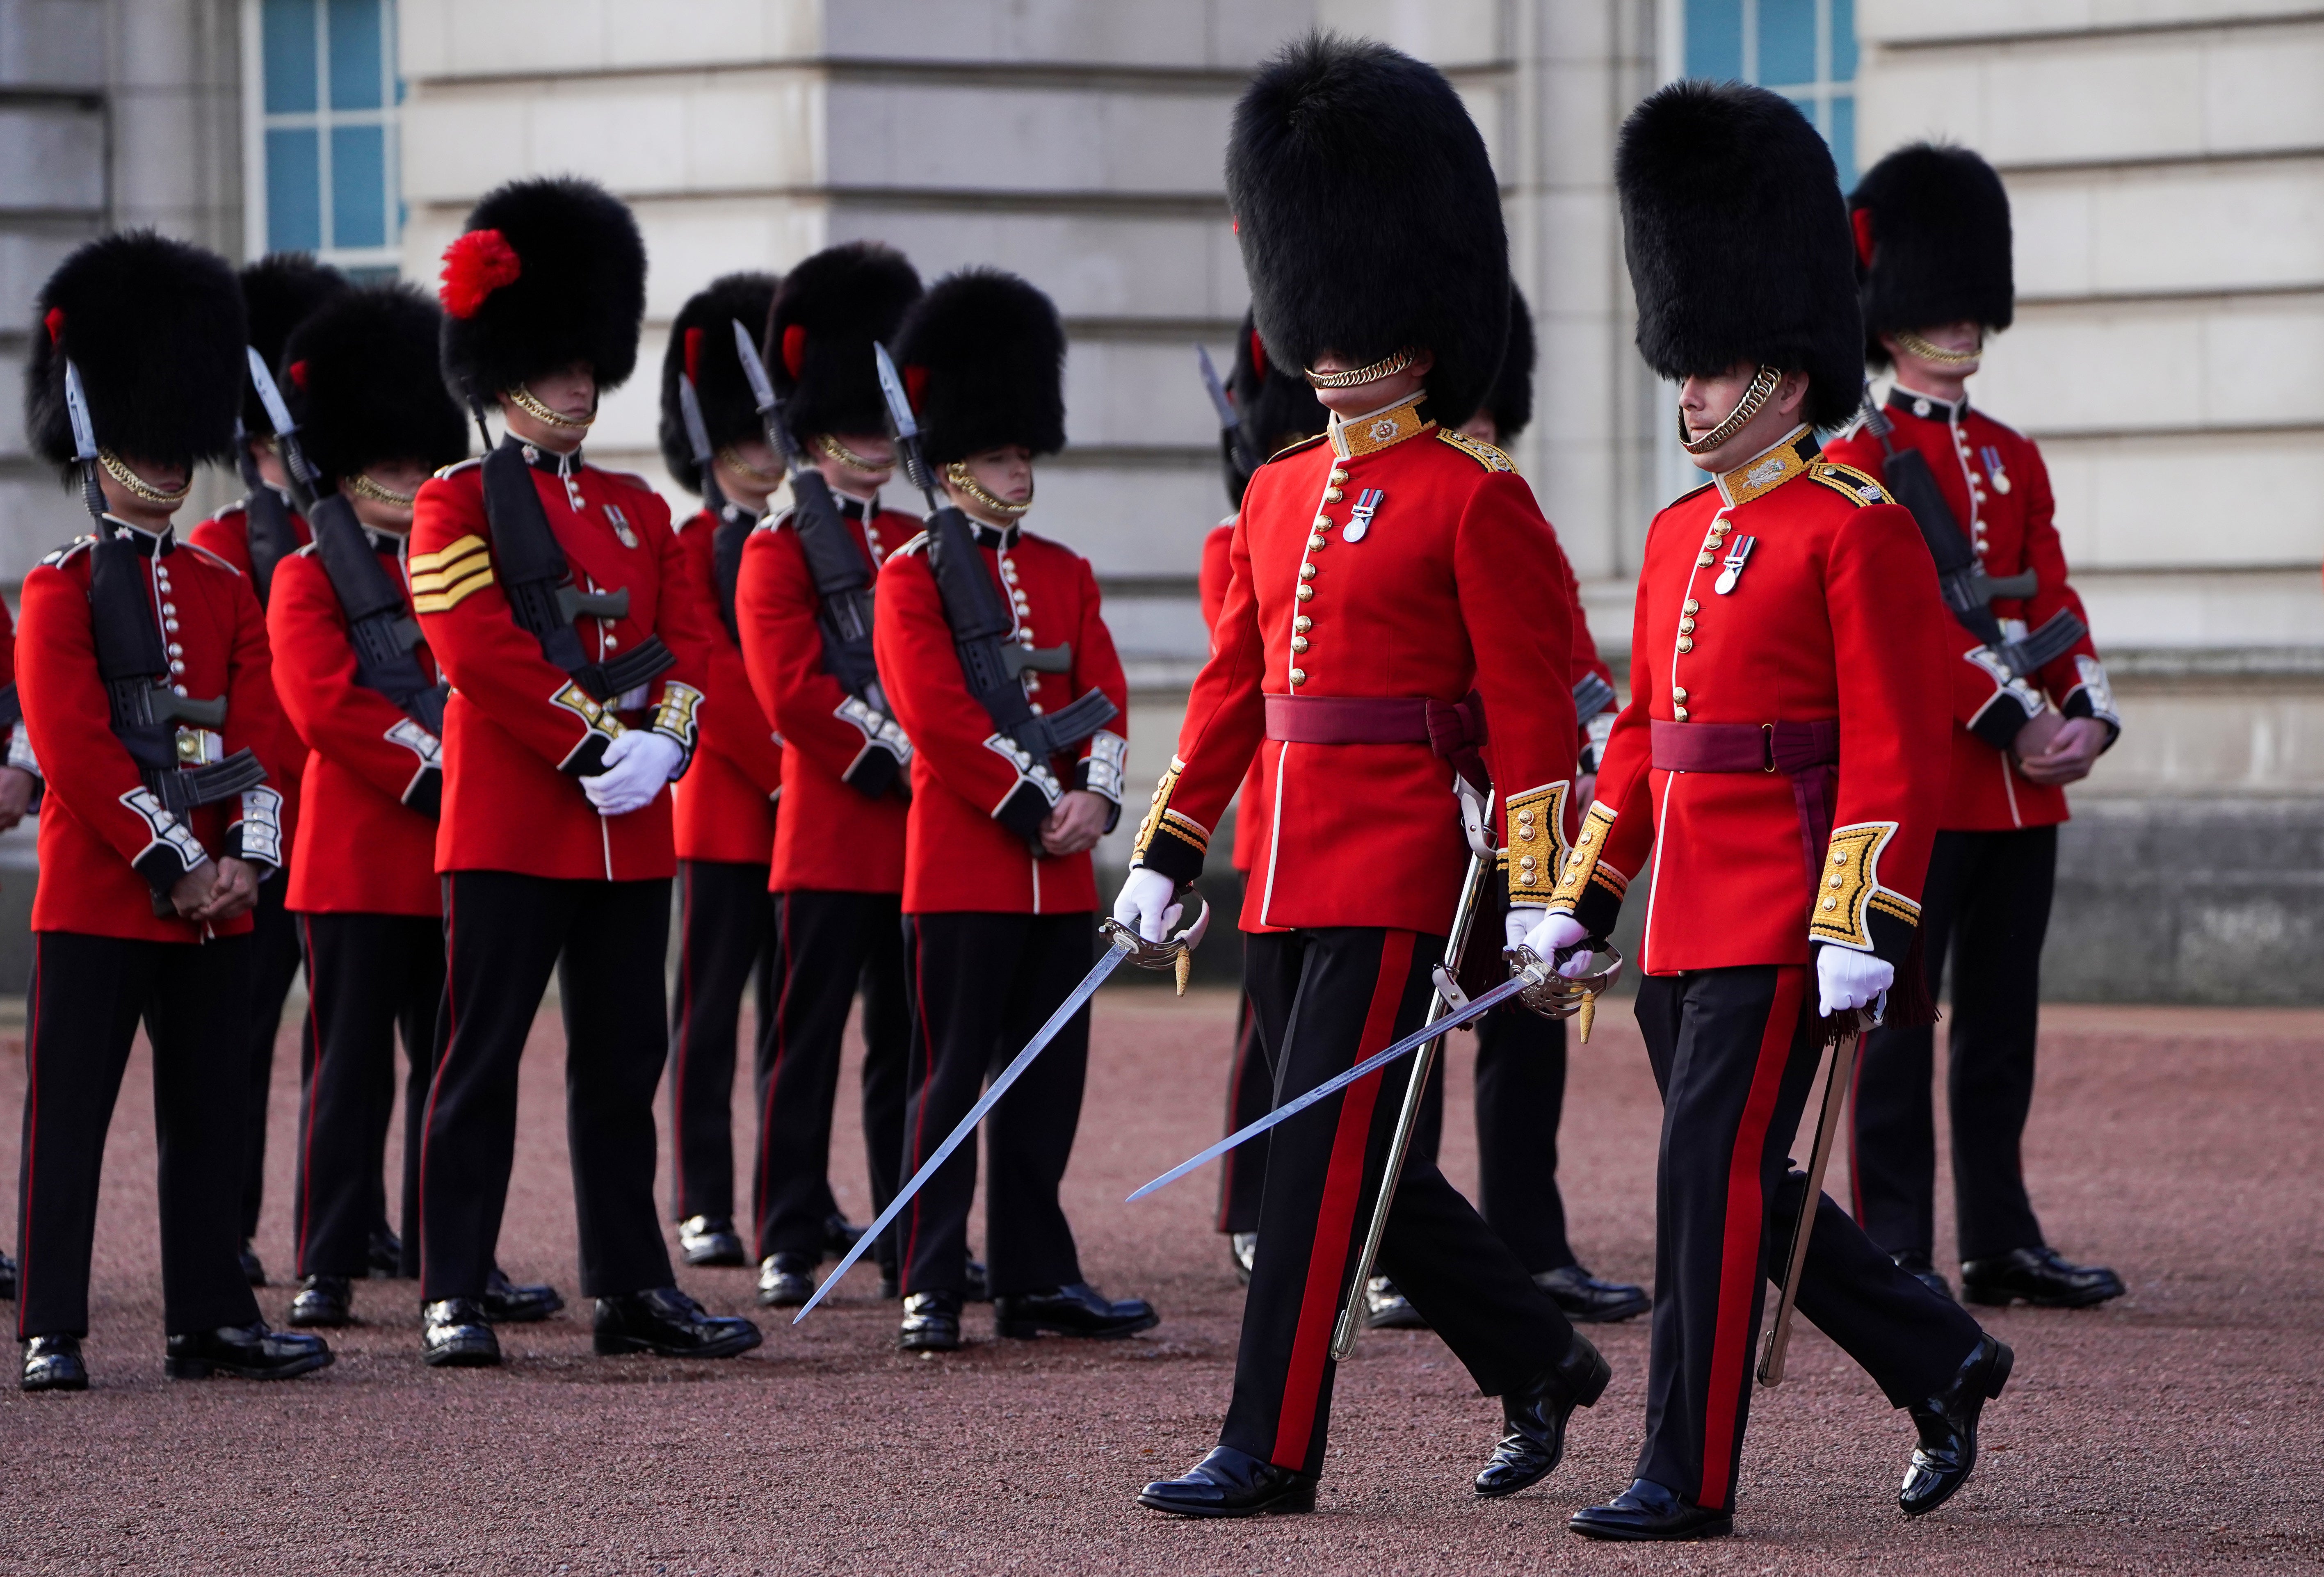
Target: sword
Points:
(697, 438)
(302, 476)
(84, 432)
(1122, 943)
(1835, 1092)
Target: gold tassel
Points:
(1184, 964)
(1588, 1011)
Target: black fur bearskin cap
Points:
(983, 358)
(1931, 244)
(549, 272)
(1737, 242)
(156, 328)
(1510, 404)
(280, 292)
(362, 380)
(830, 309)
(1273, 409)
(701, 347)
(1368, 217)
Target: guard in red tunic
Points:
(567, 617)
(362, 380)
(144, 681)
(727, 934)
(999, 891)
(1395, 594)
(1782, 760)
(1933, 260)
(804, 609)
(255, 535)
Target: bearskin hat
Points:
(156, 328)
(1368, 217)
(701, 347)
(280, 292)
(983, 356)
(1273, 409)
(830, 309)
(1511, 402)
(1931, 244)
(362, 383)
(1737, 242)
(548, 273)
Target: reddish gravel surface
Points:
(2172, 1431)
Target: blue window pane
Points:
(1787, 40)
(287, 31)
(354, 54)
(1843, 40)
(358, 186)
(294, 192)
(1842, 134)
(1714, 39)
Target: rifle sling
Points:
(266, 522)
(380, 629)
(843, 580)
(124, 629)
(979, 620)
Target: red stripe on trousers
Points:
(1739, 1268)
(1344, 1184)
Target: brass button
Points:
(1302, 623)
(1315, 544)
(1299, 643)
(1587, 836)
(1687, 626)
(1525, 832)
(1306, 572)
(1702, 561)
(1526, 863)
(1299, 675)
(1686, 643)
(1679, 712)
(1330, 495)
(1323, 522)
(1306, 593)
(1832, 903)
(1339, 474)
(1838, 881)
(1678, 692)
(1693, 606)
(1839, 857)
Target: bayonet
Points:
(697, 438)
(762, 395)
(905, 425)
(84, 432)
(1230, 423)
(301, 475)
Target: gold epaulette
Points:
(1860, 487)
(1484, 453)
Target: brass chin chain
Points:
(363, 486)
(957, 474)
(522, 398)
(1763, 385)
(1387, 366)
(1937, 354)
(746, 471)
(831, 447)
(137, 486)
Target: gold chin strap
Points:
(748, 472)
(831, 447)
(1937, 354)
(1387, 366)
(1764, 385)
(522, 398)
(116, 468)
(363, 486)
(957, 474)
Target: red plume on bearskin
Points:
(475, 265)
(365, 387)
(832, 308)
(702, 346)
(1932, 243)
(992, 353)
(563, 283)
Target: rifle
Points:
(383, 635)
(727, 536)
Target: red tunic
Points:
(519, 729)
(228, 535)
(361, 850)
(959, 855)
(832, 838)
(1993, 479)
(1454, 583)
(1835, 614)
(725, 808)
(101, 829)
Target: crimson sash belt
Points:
(1455, 730)
(1806, 753)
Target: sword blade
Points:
(967, 1125)
(1477, 1007)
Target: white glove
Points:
(1561, 931)
(1846, 979)
(637, 764)
(1147, 904)
(1519, 922)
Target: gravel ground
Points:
(2163, 1433)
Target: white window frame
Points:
(257, 123)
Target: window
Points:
(1804, 50)
(320, 93)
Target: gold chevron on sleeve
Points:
(440, 581)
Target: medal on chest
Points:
(1360, 519)
(1737, 557)
(1992, 459)
(622, 528)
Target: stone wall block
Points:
(987, 139)
(52, 43)
(2150, 502)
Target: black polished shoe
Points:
(1649, 1511)
(1947, 1452)
(1074, 1309)
(52, 1363)
(7, 1279)
(249, 1352)
(384, 1255)
(1536, 1415)
(1916, 1264)
(786, 1280)
(1231, 1483)
(253, 1270)
(455, 1332)
(1584, 1299)
(709, 1240)
(1243, 1249)
(512, 1303)
(2040, 1277)
(839, 1235)
(324, 1301)
(975, 1283)
(665, 1321)
(1386, 1309)
(931, 1322)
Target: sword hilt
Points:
(1554, 995)
(1177, 953)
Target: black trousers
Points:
(981, 985)
(834, 945)
(726, 940)
(1735, 1052)
(273, 964)
(1324, 998)
(88, 994)
(606, 941)
(368, 976)
(1520, 1085)
(1250, 1094)
(1988, 901)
